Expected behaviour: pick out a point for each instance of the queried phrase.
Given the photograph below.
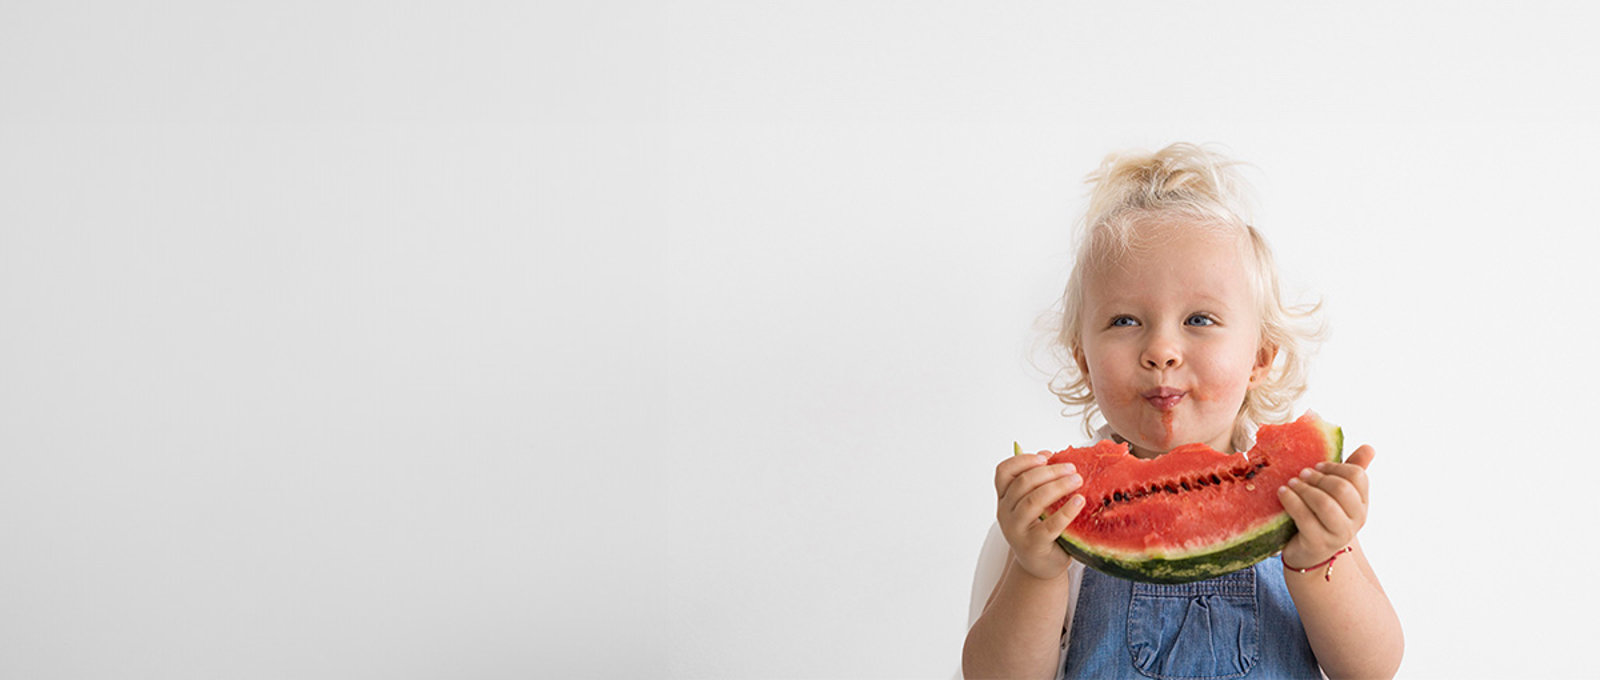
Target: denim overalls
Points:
(1239, 625)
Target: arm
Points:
(1019, 633)
(1348, 619)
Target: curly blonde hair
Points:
(1187, 186)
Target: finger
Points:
(1022, 508)
(1328, 511)
(1351, 473)
(1057, 523)
(1362, 457)
(1304, 518)
(1038, 501)
(1009, 468)
(1342, 490)
(1030, 480)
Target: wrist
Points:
(1027, 571)
(1324, 567)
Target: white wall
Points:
(466, 340)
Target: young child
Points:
(1176, 333)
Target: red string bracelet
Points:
(1327, 575)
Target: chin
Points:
(1161, 441)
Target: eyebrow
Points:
(1210, 300)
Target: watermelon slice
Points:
(1193, 513)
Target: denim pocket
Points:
(1194, 631)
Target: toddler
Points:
(1175, 332)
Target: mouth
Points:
(1163, 398)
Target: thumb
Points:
(1362, 457)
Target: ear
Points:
(1264, 358)
(1083, 364)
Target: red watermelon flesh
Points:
(1192, 513)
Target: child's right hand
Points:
(1026, 486)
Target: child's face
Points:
(1171, 341)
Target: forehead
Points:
(1172, 263)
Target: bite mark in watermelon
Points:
(1193, 513)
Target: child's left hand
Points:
(1328, 505)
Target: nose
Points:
(1162, 352)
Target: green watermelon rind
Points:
(1214, 562)
(1210, 561)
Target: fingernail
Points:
(1294, 481)
(1323, 466)
(1305, 474)
(1042, 458)
(1068, 468)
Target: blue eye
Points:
(1200, 320)
(1123, 321)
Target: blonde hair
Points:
(1187, 186)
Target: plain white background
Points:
(424, 340)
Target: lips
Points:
(1163, 398)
